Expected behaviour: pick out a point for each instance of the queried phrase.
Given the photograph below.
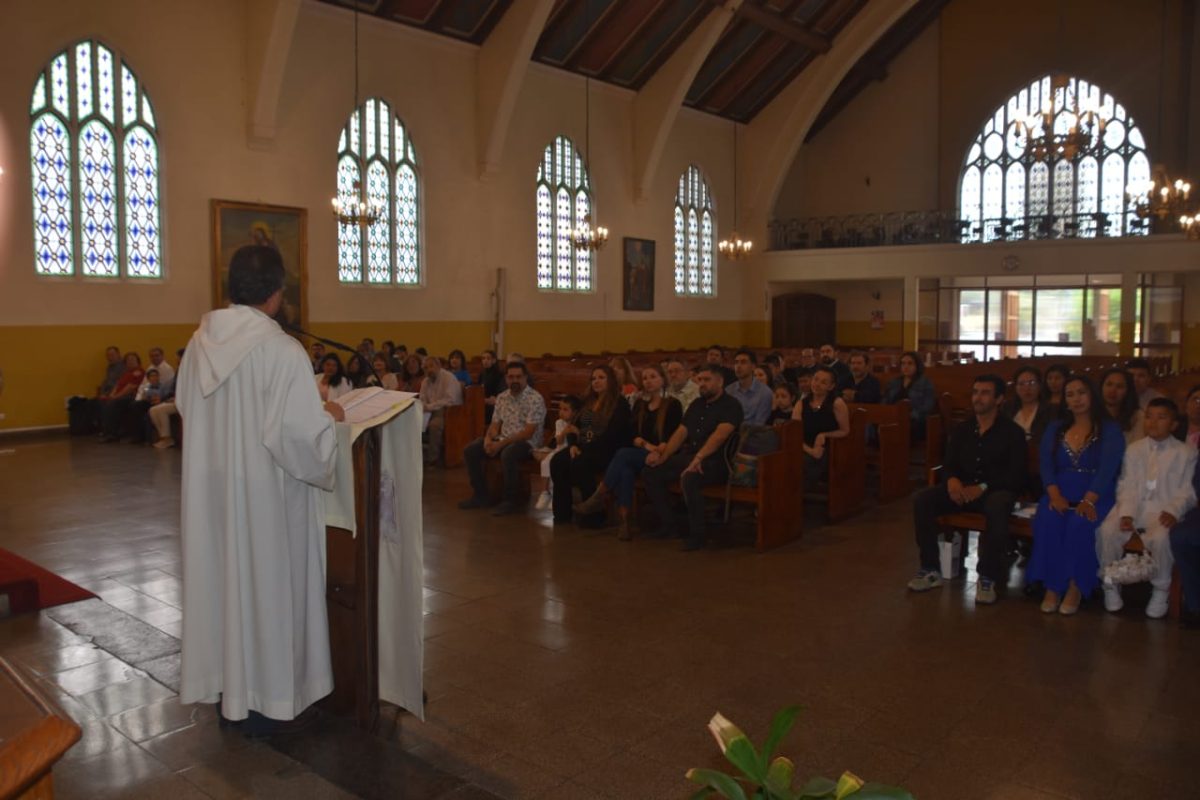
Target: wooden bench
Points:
(847, 478)
(464, 424)
(893, 425)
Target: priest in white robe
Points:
(259, 449)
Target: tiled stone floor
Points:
(560, 664)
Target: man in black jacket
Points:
(863, 387)
(984, 470)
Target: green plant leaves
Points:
(719, 782)
(818, 787)
(780, 725)
(742, 755)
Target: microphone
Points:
(369, 367)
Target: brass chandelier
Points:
(734, 247)
(585, 236)
(1071, 132)
(357, 210)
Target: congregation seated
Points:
(826, 416)
(491, 378)
(1189, 427)
(332, 382)
(1030, 407)
(626, 380)
(112, 406)
(603, 427)
(715, 356)
(316, 354)
(456, 365)
(863, 387)
(383, 375)
(1153, 494)
(694, 456)
(1081, 455)
(564, 429)
(1185, 537)
(783, 404)
(156, 387)
(1143, 377)
(680, 384)
(829, 357)
(1121, 403)
(656, 416)
(754, 396)
(439, 391)
(412, 375)
(358, 370)
(1056, 381)
(515, 429)
(913, 385)
(765, 375)
(984, 471)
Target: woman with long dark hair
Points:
(412, 375)
(826, 416)
(1030, 407)
(913, 386)
(1121, 403)
(655, 418)
(332, 382)
(456, 362)
(1081, 456)
(1056, 380)
(603, 425)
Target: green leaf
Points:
(723, 784)
(877, 791)
(743, 756)
(848, 784)
(700, 795)
(779, 778)
(780, 725)
(818, 787)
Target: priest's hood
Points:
(224, 340)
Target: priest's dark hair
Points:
(255, 273)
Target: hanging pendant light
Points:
(357, 210)
(585, 236)
(734, 247)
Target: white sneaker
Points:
(544, 501)
(1157, 607)
(1112, 598)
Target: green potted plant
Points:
(764, 778)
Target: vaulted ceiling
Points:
(766, 45)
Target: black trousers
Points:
(996, 506)
(581, 472)
(657, 481)
(510, 461)
(112, 414)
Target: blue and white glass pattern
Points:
(695, 234)
(563, 197)
(50, 145)
(143, 257)
(98, 200)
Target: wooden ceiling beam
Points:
(634, 32)
(572, 59)
(783, 25)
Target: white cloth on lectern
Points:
(259, 450)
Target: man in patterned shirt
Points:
(515, 430)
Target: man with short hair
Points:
(316, 352)
(984, 471)
(694, 455)
(439, 390)
(112, 372)
(808, 358)
(515, 430)
(756, 397)
(716, 357)
(829, 358)
(492, 379)
(255, 625)
(680, 384)
(1139, 369)
(864, 387)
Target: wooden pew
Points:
(893, 424)
(464, 424)
(848, 469)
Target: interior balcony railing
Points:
(946, 227)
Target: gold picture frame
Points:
(235, 224)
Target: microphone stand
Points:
(369, 368)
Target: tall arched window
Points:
(1003, 181)
(564, 198)
(94, 162)
(376, 150)
(695, 232)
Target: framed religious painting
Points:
(236, 224)
(638, 275)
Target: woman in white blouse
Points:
(383, 376)
(332, 382)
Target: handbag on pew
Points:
(753, 441)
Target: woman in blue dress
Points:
(1081, 455)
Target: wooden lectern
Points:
(352, 593)
(34, 733)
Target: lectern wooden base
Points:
(34, 733)
(352, 594)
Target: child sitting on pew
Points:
(564, 430)
(1153, 494)
(782, 404)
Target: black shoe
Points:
(474, 501)
(257, 726)
(506, 508)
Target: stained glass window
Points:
(563, 196)
(95, 168)
(695, 233)
(375, 148)
(1047, 195)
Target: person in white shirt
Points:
(332, 381)
(680, 384)
(1154, 492)
(439, 390)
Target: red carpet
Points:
(18, 578)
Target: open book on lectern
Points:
(373, 405)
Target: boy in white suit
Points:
(1154, 492)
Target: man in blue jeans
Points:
(515, 430)
(1185, 545)
(694, 456)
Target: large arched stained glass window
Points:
(93, 145)
(1009, 191)
(564, 200)
(695, 232)
(376, 152)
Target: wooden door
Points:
(802, 319)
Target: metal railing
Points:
(945, 227)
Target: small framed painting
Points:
(638, 275)
(236, 224)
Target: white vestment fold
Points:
(260, 448)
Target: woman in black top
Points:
(603, 428)
(655, 418)
(491, 377)
(826, 416)
(1057, 376)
